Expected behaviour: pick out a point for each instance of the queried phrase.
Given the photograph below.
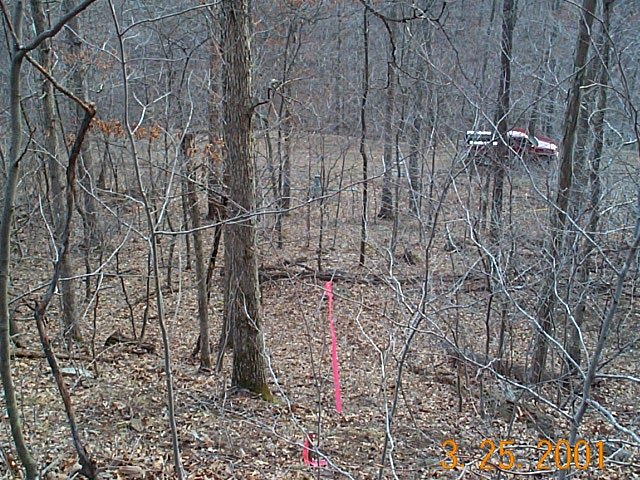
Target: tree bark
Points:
(89, 468)
(241, 266)
(416, 136)
(79, 87)
(153, 244)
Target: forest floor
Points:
(119, 393)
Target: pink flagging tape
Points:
(306, 456)
(328, 288)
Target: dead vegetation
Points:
(449, 383)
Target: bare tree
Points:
(187, 152)
(416, 135)
(241, 267)
(152, 241)
(559, 212)
(88, 206)
(504, 91)
(592, 167)
(386, 207)
(71, 325)
(363, 137)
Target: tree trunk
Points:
(416, 136)
(285, 126)
(215, 185)
(187, 146)
(287, 131)
(12, 175)
(92, 236)
(78, 78)
(10, 186)
(241, 279)
(386, 208)
(508, 22)
(71, 326)
(575, 342)
(559, 212)
(363, 138)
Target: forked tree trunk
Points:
(241, 280)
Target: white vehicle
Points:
(482, 144)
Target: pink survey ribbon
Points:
(328, 288)
(308, 438)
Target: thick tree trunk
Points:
(241, 279)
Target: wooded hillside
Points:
(369, 239)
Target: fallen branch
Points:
(26, 353)
(273, 274)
